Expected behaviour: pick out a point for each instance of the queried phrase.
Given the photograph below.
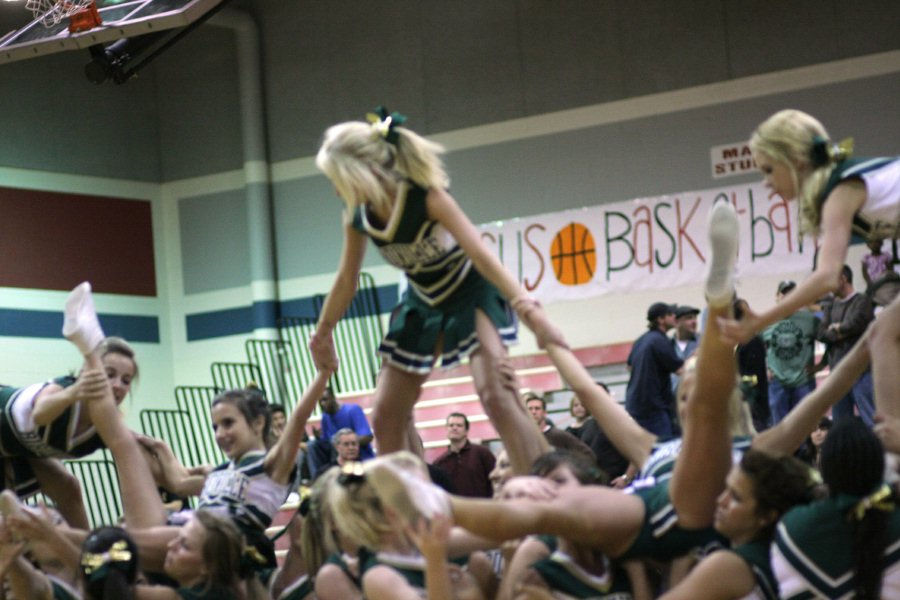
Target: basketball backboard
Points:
(121, 19)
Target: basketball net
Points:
(51, 12)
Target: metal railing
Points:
(196, 403)
(356, 338)
(230, 375)
(173, 427)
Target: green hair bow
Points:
(384, 123)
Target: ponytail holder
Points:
(824, 153)
(882, 500)
(251, 561)
(384, 124)
(352, 472)
(95, 566)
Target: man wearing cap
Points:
(685, 342)
(685, 339)
(790, 357)
(649, 397)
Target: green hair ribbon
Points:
(384, 123)
(823, 152)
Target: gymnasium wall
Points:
(505, 170)
(541, 110)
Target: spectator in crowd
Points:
(279, 420)
(649, 397)
(336, 416)
(843, 323)
(537, 408)
(751, 358)
(467, 465)
(685, 339)
(685, 342)
(586, 429)
(346, 446)
(811, 450)
(790, 357)
(877, 263)
(560, 439)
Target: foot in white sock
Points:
(81, 326)
(724, 235)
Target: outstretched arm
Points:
(53, 400)
(444, 209)
(282, 457)
(837, 219)
(633, 441)
(171, 474)
(322, 344)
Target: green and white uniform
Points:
(661, 537)
(303, 588)
(202, 592)
(244, 492)
(661, 463)
(879, 216)
(21, 438)
(411, 567)
(62, 590)
(444, 288)
(568, 580)
(337, 559)
(756, 555)
(812, 555)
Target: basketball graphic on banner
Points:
(573, 255)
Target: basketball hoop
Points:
(52, 12)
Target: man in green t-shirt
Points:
(790, 357)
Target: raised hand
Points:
(737, 332)
(325, 358)
(431, 535)
(91, 384)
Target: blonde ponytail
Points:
(793, 138)
(361, 158)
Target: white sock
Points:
(724, 236)
(81, 326)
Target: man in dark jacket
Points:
(843, 323)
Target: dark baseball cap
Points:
(659, 309)
(683, 310)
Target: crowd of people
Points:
(715, 479)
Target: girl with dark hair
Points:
(811, 450)
(109, 564)
(845, 545)
(393, 184)
(255, 481)
(558, 565)
(758, 492)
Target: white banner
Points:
(646, 243)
